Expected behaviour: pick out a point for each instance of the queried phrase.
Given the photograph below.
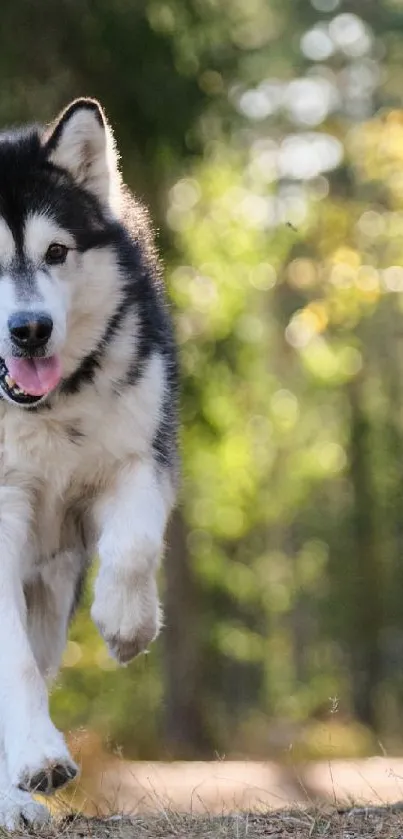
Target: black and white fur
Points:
(92, 467)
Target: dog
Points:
(88, 427)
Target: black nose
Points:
(30, 330)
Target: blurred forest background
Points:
(267, 138)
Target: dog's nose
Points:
(30, 330)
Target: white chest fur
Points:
(74, 450)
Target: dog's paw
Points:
(125, 649)
(50, 777)
(42, 764)
(19, 810)
(127, 616)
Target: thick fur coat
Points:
(88, 459)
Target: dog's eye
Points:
(56, 254)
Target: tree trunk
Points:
(184, 731)
(365, 608)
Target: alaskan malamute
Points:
(88, 454)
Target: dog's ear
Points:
(81, 141)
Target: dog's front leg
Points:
(132, 519)
(36, 755)
(18, 808)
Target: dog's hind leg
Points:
(51, 600)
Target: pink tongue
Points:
(35, 376)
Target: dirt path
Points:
(225, 786)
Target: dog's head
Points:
(60, 193)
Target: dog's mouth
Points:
(27, 381)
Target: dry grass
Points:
(358, 823)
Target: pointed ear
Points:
(82, 142)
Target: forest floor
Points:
(359, 823)
(226, 786)
(232, 800)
